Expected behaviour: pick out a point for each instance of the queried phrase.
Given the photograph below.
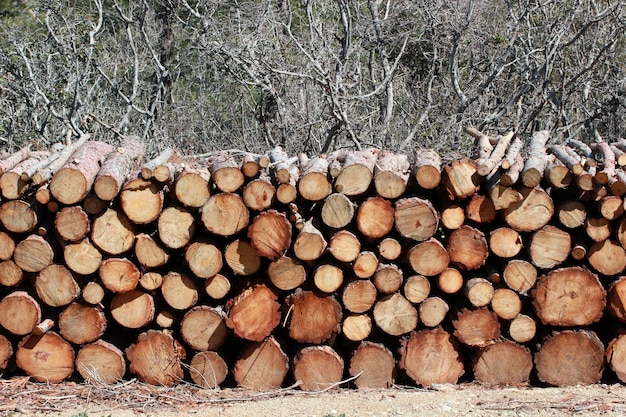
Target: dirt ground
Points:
(19, 397)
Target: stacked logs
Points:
(266, 270)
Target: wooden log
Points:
(133, 309)
(375, 218)
(259, 193)
(476, 328)
(598, 228)
(373, 365)
(467, 248)
(480, 209)
(359, 296)
(337, 211)
(506, 303)
(101, 362)
(611, 207)
(261, 365)
(217, 286)
(204, 328)
(558, 175)
(570, 358)
(11, 275)
(391, 174)
(388, 278)
(313, 184)
(56, 286)
(452, 215)
(531, 213)
(395, 315)
(328, 278)
(365, 264)
(11, 183)
(607, 257)
(431, 357)
(317, 368)
(179, 291)
(19, 313)
(204, 259)
(433, 311)
(356, 327)
(607, 156)
(270, 234)
(176, 227)
(226, 173)
(33, 254)
(583, 305)
(616, 299)
(149, 252)
(389, 249)
(572, 214)
(450, 281)
(505, 242)
(82, 257)
(520, 275)
(522, 328)
(549, 247)
(147, 169)
(112, 232)
(416, 288)
(117, 166)
(151, 281)
(45, 174)
(81, 324)
(344, 246)
(460, 179)
(281, 165)
(310, 243)
(18, 216)
(192, 185)
(427, 168)
(92, 205)
(479, 291)
(141, 200)
(45, 358)
(119, 275)
(208, 369)
(165, 319)
(415, 218)
(15, 158)
(505, 363)
(428, 258)
(93, 293)
(225, 214)
(6, 353)
(72, 223)
(167, 171)
(240, 256)
(74, 180)
(253, 313)
(156, 358)
(511, 176)
(301, 306)
(286, 273)
(482, 142)
(496, 156)
(569, 160)
(7, 247)
(357, 172)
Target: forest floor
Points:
(19, 397)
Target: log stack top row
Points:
(356, 263)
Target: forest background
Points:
(310, 75)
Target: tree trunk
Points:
(317, 368)
(19, 313)
(133, 309)
(570, 358)
(240, 256)
(56, 286)
(45, 174)
(476, 328)
(156, 358)
(176, 227)
(225, 214)
(270, 234)
(427, 169)
(357, 172)
(261, 365)
(112, 232)
(583, 305)
(312, 318)
(11, 182)
(93, 293)
(598, 229)
(208, 369)
(416, 218)
(151, 281)
(226, 173)
(73, 182)
(254, 313)
(505, 363)
(192, 185)
(141, 200)
(395, 315)
(204, 328)
(391, 174)
(101, 361)
(80, 324)
(45, 358)
(430, 357)
(117, 166)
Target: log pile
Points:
(504, 267)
